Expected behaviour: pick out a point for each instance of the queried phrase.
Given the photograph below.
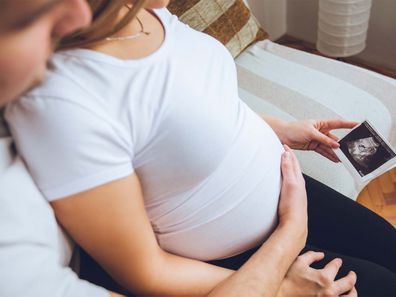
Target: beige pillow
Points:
(229, 21)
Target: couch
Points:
(292, 84)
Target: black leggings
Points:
(342, 228)
(337, 226)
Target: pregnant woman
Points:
(154, 165)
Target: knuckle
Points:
(354, 293)
(289, 182)
(301, 257)
(286, 168)
(292, 181)
(329, 292)
(305, 255)
(351, 281)
(324, 279)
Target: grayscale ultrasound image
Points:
(365, 149)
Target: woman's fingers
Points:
(324, 139)
(338, 124)
(310, 257)
(346, 283)
(331, 269)
(290, 162)
(287, 163)
(332, 136)
(297, 167)
(295, 163)
(323, 127)
(327, 153)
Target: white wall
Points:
(302, 19)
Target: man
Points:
(34, 251)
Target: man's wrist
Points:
(297, 231)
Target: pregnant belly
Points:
(235, 208)
(238, 228)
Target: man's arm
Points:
(266, 269)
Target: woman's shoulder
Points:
(58, 94)
(163, 12)
(62, 81)
(166, 17)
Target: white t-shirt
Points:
(34, 251)
(209, 166)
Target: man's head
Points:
(28, 32)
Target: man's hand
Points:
(302, 280)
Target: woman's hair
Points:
(105, 13)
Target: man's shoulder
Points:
(25, 216)
(6, 153)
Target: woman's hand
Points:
(292, 207)
(315, 135)
(303, 280)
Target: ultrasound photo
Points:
(365, 149)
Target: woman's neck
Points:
(137, 48)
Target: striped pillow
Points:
(229, 21)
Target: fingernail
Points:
(286, 154)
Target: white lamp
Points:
(342, 29)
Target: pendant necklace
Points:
(129, 37)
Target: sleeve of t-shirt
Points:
(68, 147)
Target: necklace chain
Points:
(130, 37)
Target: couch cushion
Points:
(229, 21)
